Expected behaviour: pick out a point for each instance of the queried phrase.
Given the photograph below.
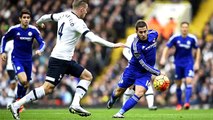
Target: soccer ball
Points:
(161, 83)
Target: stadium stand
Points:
(111, 20)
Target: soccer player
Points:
(139, 69)
(23, 35)
(130, 91)
(70, 28)
(9, 67)
(10, 71)
(184, 62)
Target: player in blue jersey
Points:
(23, 35)
(184, 62)
(140, 68)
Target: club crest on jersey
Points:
(30, 33)
(188, 42)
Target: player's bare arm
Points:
(4, 56)
(197, 59)
(164, 55)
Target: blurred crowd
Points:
(109, 19)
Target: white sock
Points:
(81, 90)
(127, 94)
(150, 96)
(31, 96)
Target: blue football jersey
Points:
(144, 54)
(183, 53)
(23, 40)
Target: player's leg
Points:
(188, 92)
(12, 81)
(150, 98)
(19, 67)
(189, 74)
(24, 78)
(23, 72)
(115, 96)
(56, 70)
(179, 75)
(11, 74)
(128, 93)
(123, 84)
(141, 86)
(179, 94)
(33, 95)
(81, 89)
(131, 102)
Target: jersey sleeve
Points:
(39, 39)
(127, 51)
(171, 42)
(81, 26)
(153, 35)
(140, 57)
(96, 39)
(195, 43)
(55, 16)
(9, 34)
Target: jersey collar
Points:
(74, 14)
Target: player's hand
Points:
(117, 45)
(38, 52)
(4, 56)
(42, 25)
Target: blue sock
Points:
(130, 103)
(19, 91)
(113, 98)
(188, 93)
(179, 95)
(24, 90)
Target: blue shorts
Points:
(23, 66)
(131, 76)
(184, 71)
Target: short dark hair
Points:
(140, 23)
(78, 3)
(24, 11)
(184, 22)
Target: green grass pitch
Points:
(104, 114)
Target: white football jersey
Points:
(9, 49)
(127, 50)
(70, 29)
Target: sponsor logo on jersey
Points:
(187, 45)
(151, 46)
(25, 38)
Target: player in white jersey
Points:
(11, 92)
(130, 91)
(70, 28)
(9, 67)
